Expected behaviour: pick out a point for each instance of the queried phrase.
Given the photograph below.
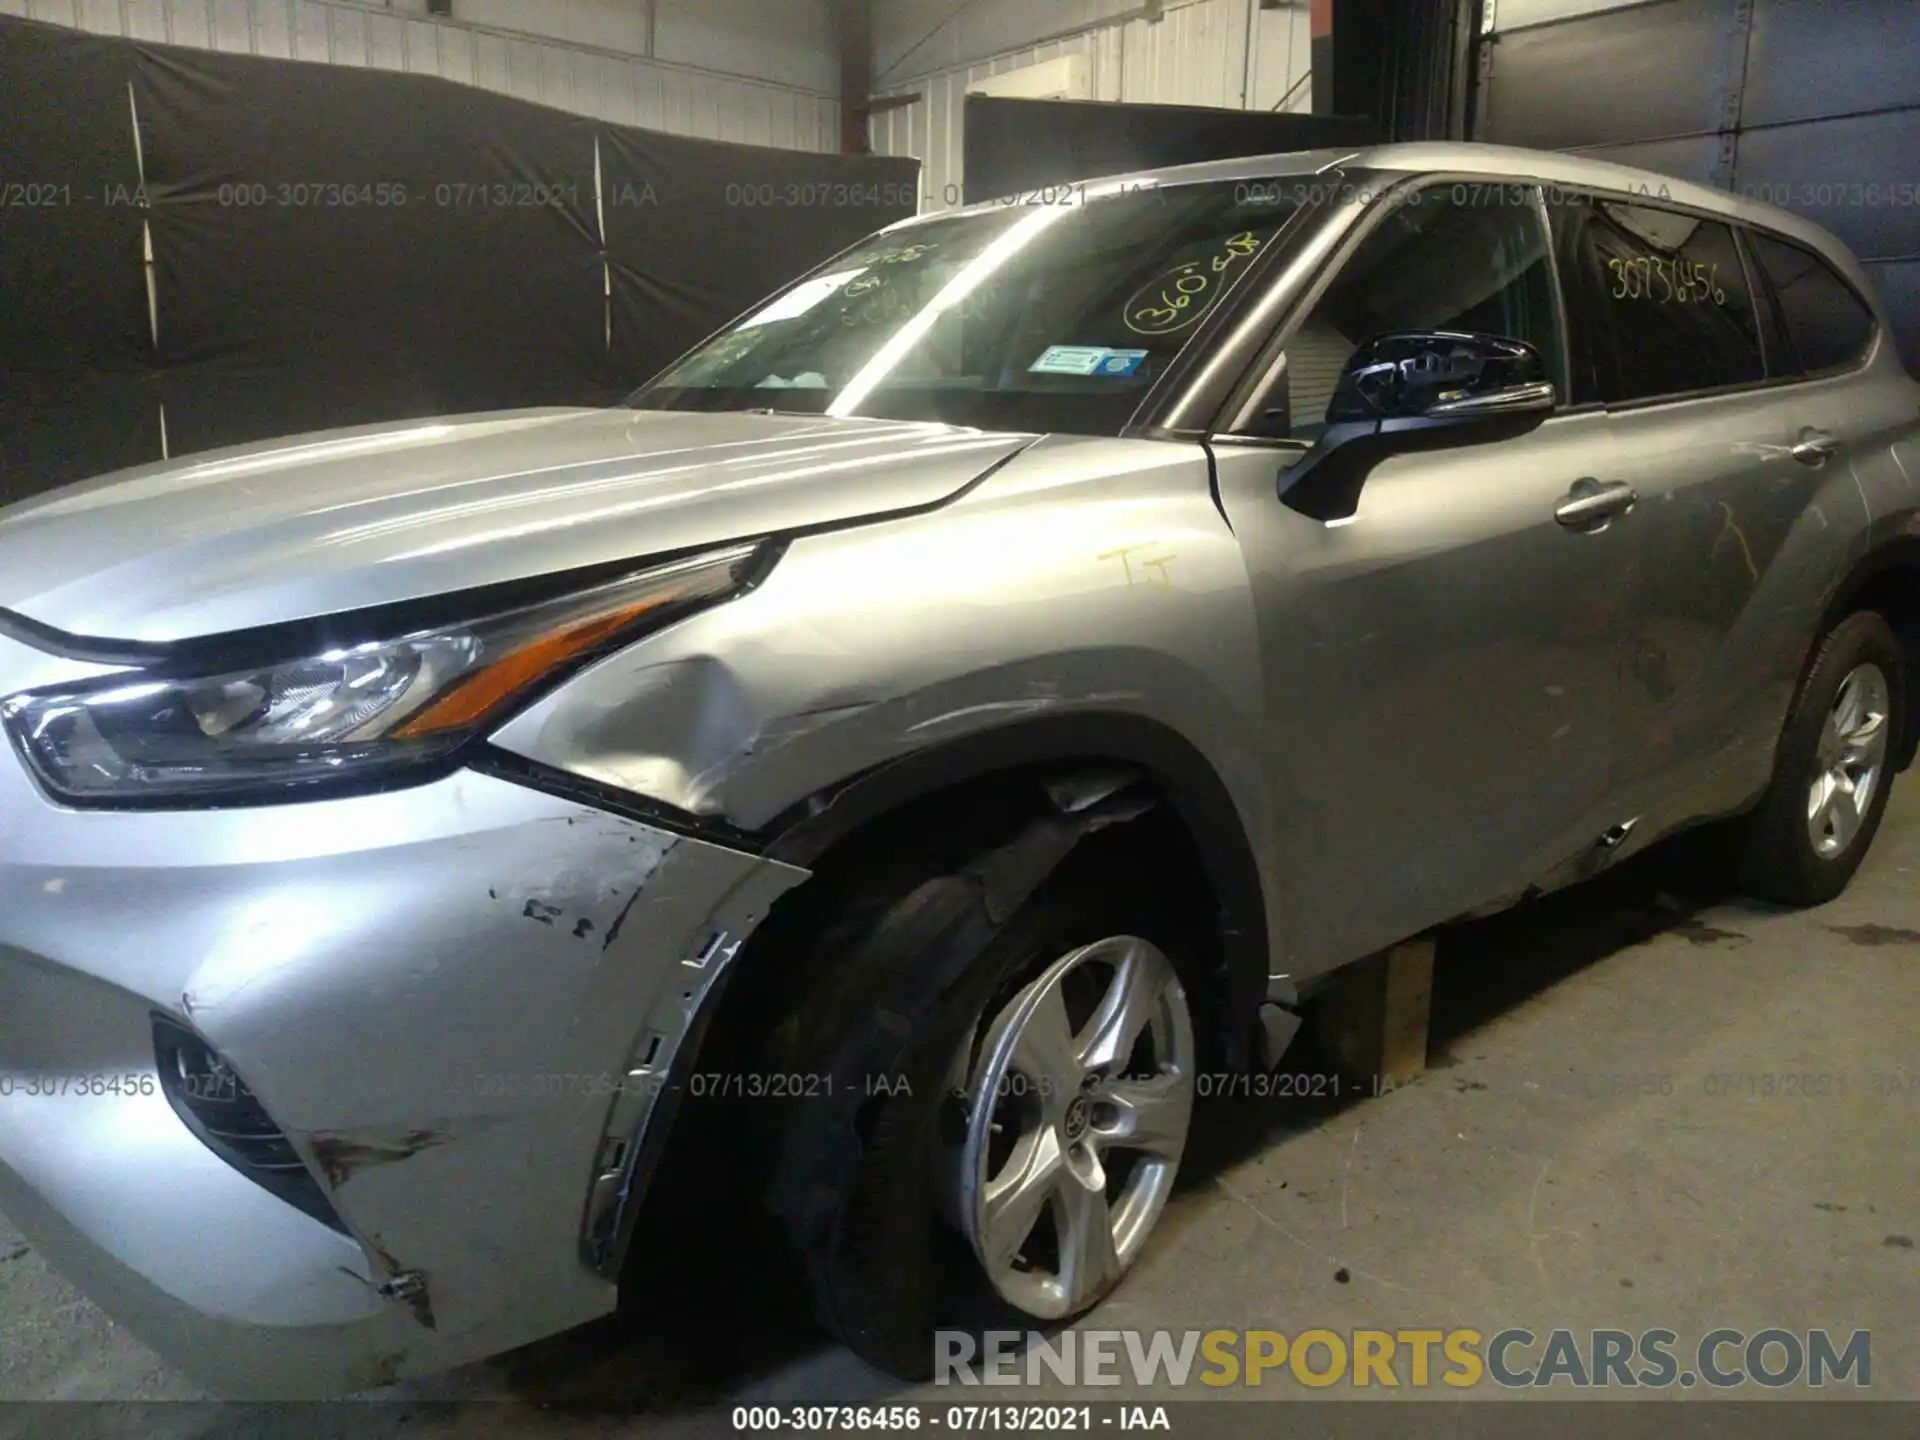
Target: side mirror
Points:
(1416, 390)
(1442, 376)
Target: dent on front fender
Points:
(1089, 590)
(1087, 576)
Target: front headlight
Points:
(359, 713)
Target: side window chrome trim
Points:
(1723, 392)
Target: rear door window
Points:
(1828, 325)
(1659, 301)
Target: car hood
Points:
(317, 524)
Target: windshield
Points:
(1022, 317)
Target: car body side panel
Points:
(1746, 548)
(458, 999)
(1085, 577)
(1442, 667)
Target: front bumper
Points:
(433, 992)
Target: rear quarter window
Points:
(1829, 326)
(1676, 301)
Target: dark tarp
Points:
(74, 338)
(363, 247)
(335, 246)
(63, 425)
(698, 230)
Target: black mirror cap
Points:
(1415, 374)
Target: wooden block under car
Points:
(1372, 1021)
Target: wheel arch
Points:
(1885, 580)
(1179, 775)
(999, 770)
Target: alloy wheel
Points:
(1077, 1115)
(1849, 761)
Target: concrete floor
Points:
(1510, 1186)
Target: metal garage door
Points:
(1812, 104)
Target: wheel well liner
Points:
(1182, 777)
(1185, 788)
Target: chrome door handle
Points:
(1592, 503)
(1816, 447)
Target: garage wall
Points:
(760, 72)
(1228, 53)
(1812, 106)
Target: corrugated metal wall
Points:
(1814, 107)
(585, 79)
(1228, 53)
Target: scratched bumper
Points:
(429, 991)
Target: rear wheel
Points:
(1834, 768)
(998, 1105)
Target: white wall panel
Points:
(346, 36)
(97, 14)
(188, 23)
(1283, 61)
(232, 25)
(1512, 14)
(145, 19)
(310, 39)
(272, 30)
(458, 54)
(784, 95)
(608, 24)
(422, 47)
(386, 42)
(919, 37)
(790, 42)
(1196, 54)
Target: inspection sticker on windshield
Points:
(1087, 360)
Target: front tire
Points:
(1000, 1106)
(1834, 768)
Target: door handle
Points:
(1815, 447)
(1591, 503)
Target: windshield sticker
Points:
(1087, 360)
(1121, 363)
(1170, 302)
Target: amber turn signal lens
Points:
(480, 693)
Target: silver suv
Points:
(974, 694)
